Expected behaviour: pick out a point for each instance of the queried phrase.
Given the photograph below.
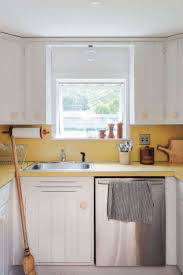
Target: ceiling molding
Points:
(65, 40)
(9, 36)
(175, 36)
(94, 39)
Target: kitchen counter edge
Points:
(160, 169)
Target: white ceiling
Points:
(77, 18)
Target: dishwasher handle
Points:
(152, 181)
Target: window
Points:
(85, 107)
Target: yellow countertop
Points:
(102, 169)
(115, 169)
(7, 173)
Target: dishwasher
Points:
(128, 243)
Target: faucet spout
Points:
(63, 155)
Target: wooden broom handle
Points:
(19, 191)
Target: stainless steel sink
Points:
(59, 166)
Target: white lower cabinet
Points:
(170, 203)
(60, 222)
(180, 225)
(4, 240)
(4, 230)
(180, 235)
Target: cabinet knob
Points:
(144, 115)
(175, 115)
(83, 205)
(37, 116)
(14, 115)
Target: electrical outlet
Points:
(144, 139)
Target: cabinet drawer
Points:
(56, 183)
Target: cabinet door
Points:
(4, 240)
(147, 97)
(37, 84)
(174, 82)
(11, 82)
(59, 216)
(179, 234)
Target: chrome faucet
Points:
(63, 155)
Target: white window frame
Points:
(56, 106)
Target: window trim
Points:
(55, 102)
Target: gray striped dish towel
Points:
(130, 201)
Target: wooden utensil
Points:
(174, 151)
(28, 259)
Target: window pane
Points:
(86, 108)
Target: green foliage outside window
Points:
(96, 98)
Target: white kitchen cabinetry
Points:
(11, 82)
(38, 84)
(4, 239)
(170, 202)
(5, 213)
(180, 225)
(174, 82)
(60, 222)
(147, 92)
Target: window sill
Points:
(90, 139)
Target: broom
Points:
(28, 259)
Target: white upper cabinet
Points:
(37, 84)
(147, 90)
(174, 82)
(156, 82)
(11, 82)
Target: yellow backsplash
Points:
(97, 150)
(160, 134)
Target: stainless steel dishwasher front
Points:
(129, 244)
